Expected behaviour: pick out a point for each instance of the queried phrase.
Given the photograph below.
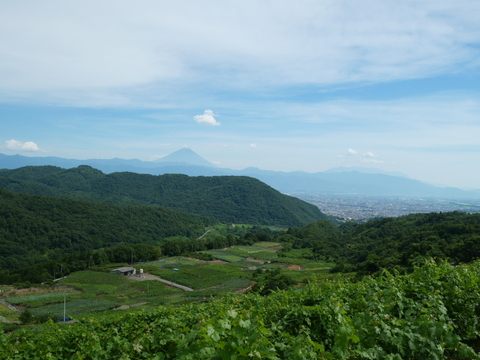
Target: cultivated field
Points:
(91, 293)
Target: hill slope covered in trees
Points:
(235, 199)
(399, 243)
(36, 229)
(404, 242)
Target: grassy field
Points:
(40, 299)
(234, 265)
(269, 245)
(202, 276)
(226, 256)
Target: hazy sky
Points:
(278, 85)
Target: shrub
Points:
(26, 317)
(7, 327)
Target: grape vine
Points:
(432, 313)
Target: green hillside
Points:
(404, 242)
(36, 229)
(234, 199)
(400, 243)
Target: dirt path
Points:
(8, 305)
(255, 260)
(144, 277)
(244, 290)
(206, 232)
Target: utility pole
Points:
(64, 306)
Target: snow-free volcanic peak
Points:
(187, 156)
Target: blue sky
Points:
(278, 85)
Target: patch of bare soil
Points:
(217, 262)
(43, 290)
(294, 267)
(255, 260)
(143, 277)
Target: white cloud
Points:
(351, 152)
(253, 146)
(371, 158)
(50, 47)
(206, 119)
(373, 161)
(18, 145)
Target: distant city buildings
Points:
(363, 208)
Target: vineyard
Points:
(432, 313)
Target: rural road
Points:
(206, 232)
(138, 277)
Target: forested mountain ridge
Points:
(235, 199)
(36, 229)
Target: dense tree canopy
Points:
(404, 242)
(235, 199)
(392, 242)
(36, 229)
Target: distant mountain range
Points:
(359, 181)
(364, 170)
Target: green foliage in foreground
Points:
(432, 313)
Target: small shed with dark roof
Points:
(125, 271)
